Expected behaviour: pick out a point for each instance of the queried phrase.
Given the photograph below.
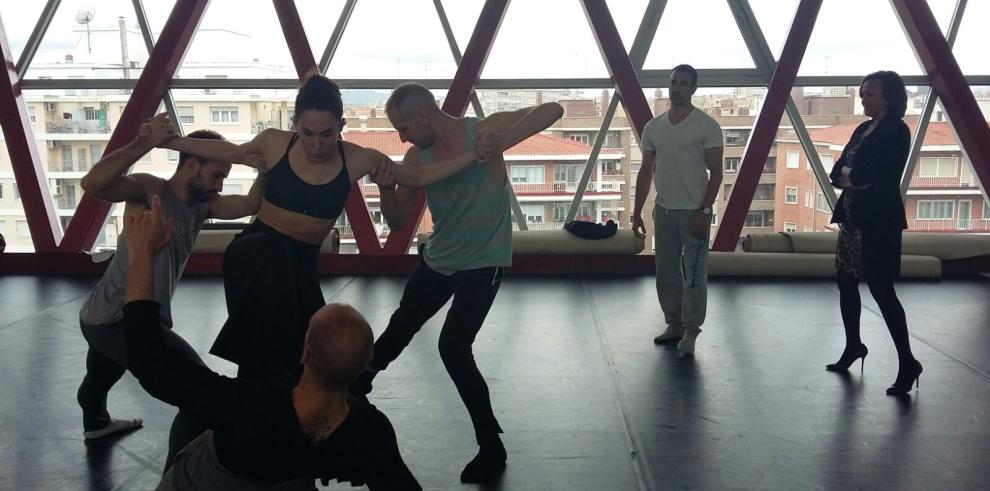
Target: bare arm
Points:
(516, 126)
(502, 131)
(250, 154)
(396, 200)
(108, 179)
(377, 165)
(644, 181)
(702, 220)
(713, 159)
(145, 234)
(419, 176)
(239, 205)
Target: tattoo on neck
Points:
(320, 428)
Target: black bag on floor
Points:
(591, 230)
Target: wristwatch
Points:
(707, 210)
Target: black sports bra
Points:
(285, 189)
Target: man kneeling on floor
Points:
(279, 433)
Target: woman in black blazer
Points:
(871, 214)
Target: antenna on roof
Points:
(84, 16)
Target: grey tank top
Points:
(106, 302)
(472, 225)
(197, 467)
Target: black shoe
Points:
(906, 377)
(848, 358)
(486, 466)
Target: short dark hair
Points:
(688, 69)
(340, 343)
(201, 135)
(410, 97)
(321, 94)
(893, 91)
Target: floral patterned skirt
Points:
(849, 251)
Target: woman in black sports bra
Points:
(270, 269)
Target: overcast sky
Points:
(538, 38)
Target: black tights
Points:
(890, 307)
(425, 293)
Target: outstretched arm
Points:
(108, 179)
(502, 131)
(378, 165)
(237, 206)
(396, 200)
(249, 154)
(419, 176)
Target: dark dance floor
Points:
(586, 400)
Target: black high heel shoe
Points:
(905, 379)
(848, 359)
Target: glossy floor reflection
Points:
(586, 400)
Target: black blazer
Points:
(879, 162)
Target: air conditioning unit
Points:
(52, 144)
(56, 187)
(49, 107)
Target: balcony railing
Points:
(540, 226)
(346, 232)
(76, 127)
(943, 182)
(950, 225)
(567, 187)
(610, 186)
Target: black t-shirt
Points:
(256, 431)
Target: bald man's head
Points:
(339, 343)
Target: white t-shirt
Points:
(679, 170)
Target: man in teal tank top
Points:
(468, 251)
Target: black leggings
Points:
(425, 293)
(882, 290)
(106, 363)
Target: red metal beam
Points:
(29, 174)
(765, 129)
(455, 104)
(163, 62)
(295, 36)
(947, 79)
(70, 264)
(302, 56)
(619, 65)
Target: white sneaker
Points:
(671, 334)
(686, 345)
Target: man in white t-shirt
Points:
(682, 155)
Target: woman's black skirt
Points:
(272, 289)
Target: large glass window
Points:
(76, 121)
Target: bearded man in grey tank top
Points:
(468, 251)
(189, 197)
